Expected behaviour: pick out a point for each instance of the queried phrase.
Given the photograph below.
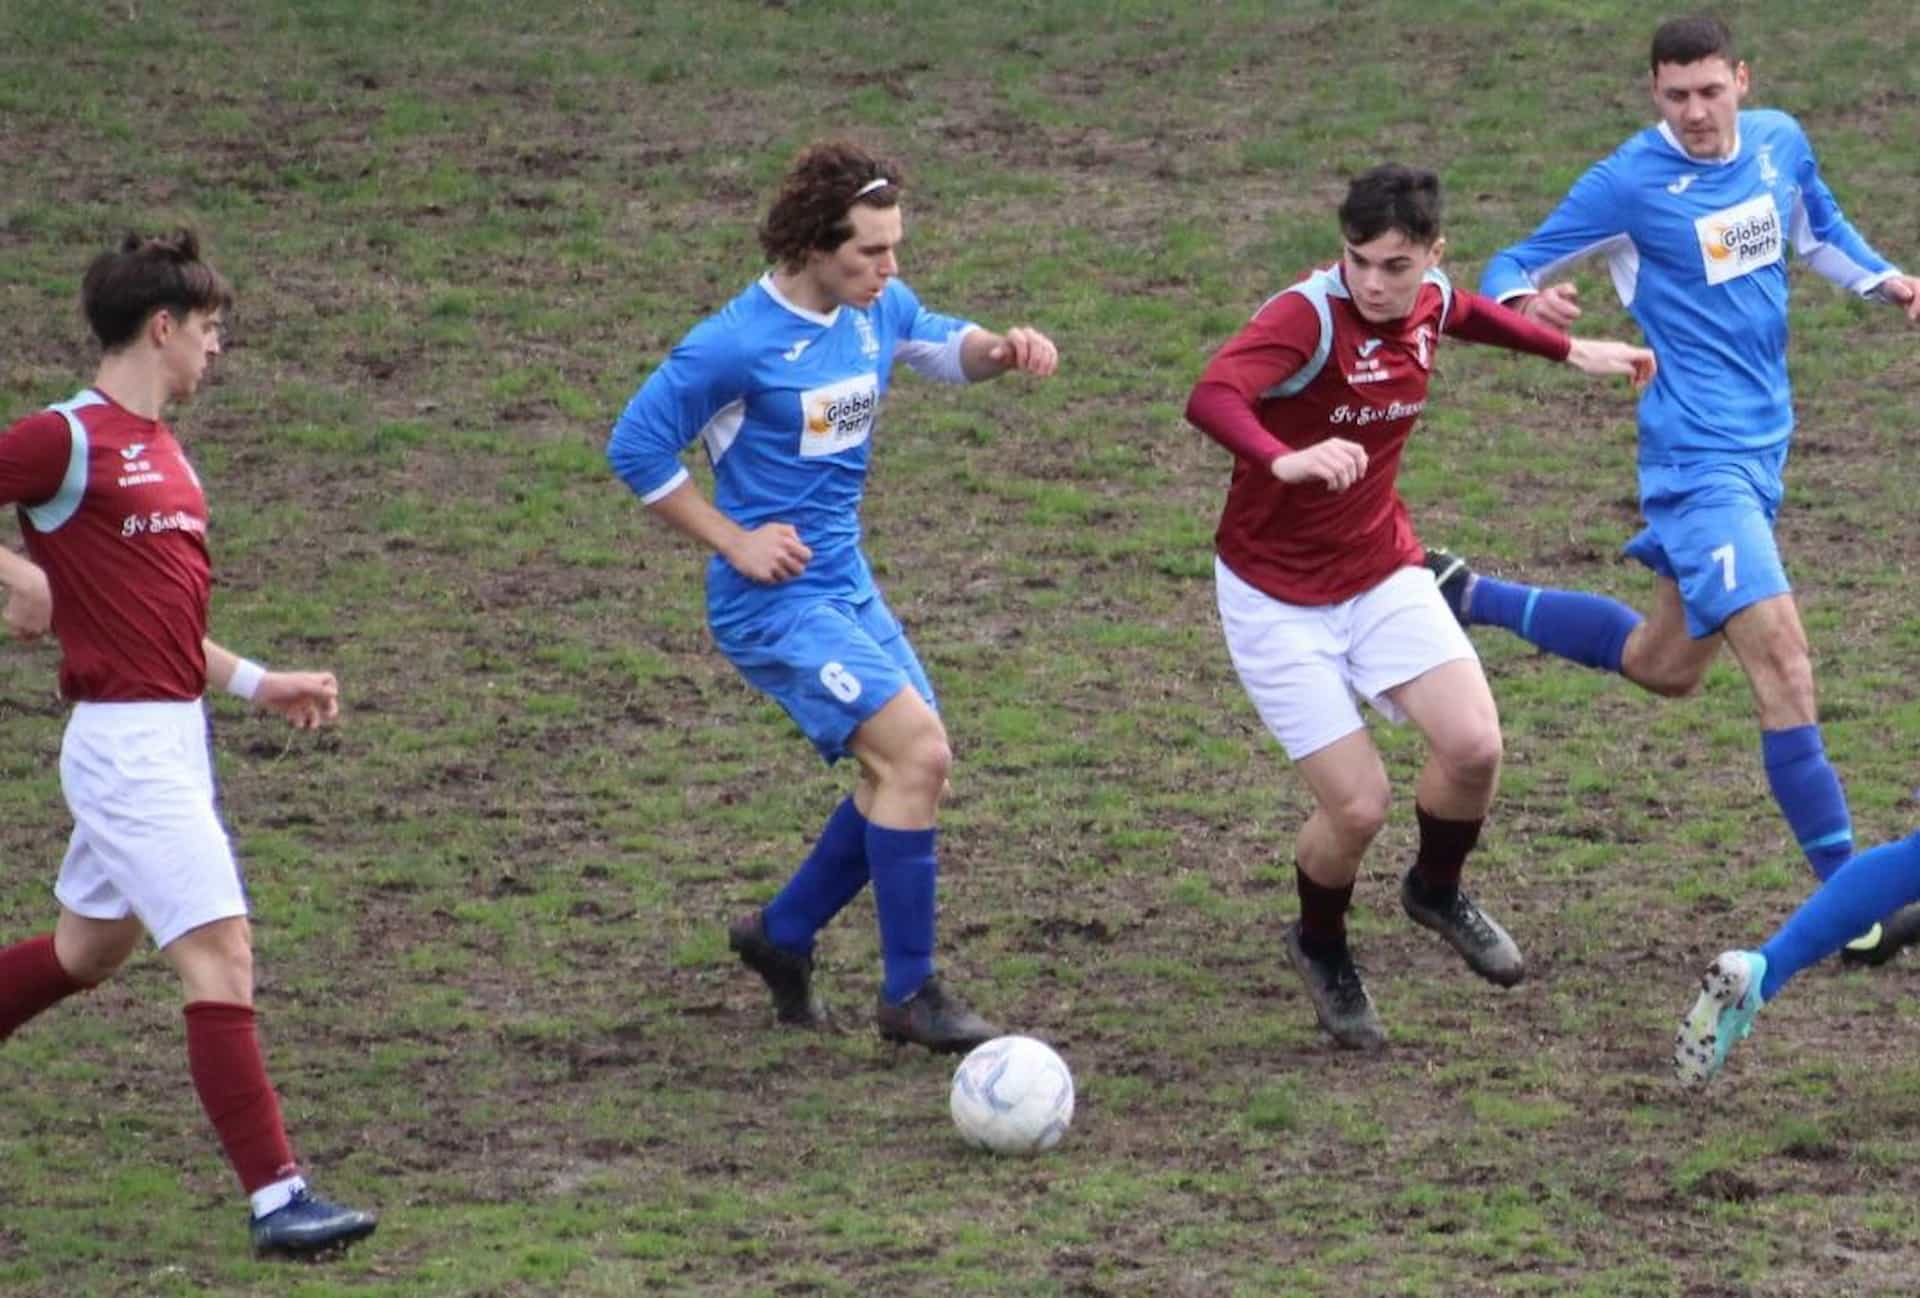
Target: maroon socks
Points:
(223, 1054)
(31, 980)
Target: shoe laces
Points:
(1349, 993)
(935, 998)
(1469, 917)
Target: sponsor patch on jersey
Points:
(1739, 240)
(838, 416)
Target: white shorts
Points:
(1303, 665)
(146, 839)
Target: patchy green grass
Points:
(496, 996)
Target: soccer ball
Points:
(1012, 1095)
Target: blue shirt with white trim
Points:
(784, 401)
(1697, 250)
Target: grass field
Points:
(495, 990)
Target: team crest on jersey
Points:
(1741, 239)
(1423, 346)
(869, 341)
(838, 416)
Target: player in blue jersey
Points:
(782, 387)
(1694, 216)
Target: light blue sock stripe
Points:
(1834, 839)
(1526, 616)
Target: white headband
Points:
(878, 182)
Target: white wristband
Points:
(246, 678)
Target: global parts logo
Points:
(838, 416)
(1739, 240)
(841, 415)
(1744, 240)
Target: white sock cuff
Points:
(272, 1198)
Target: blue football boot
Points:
(309, 1224)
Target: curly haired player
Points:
(783, 388)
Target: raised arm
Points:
(1586, 222)
(948, 349)
(1830, 244)
(1483, 320)
(987, 355)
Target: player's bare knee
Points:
(930, 763)
(1473, 759)
(1668, 679)
(920, 766)
(92, 958)
(91, 967)
(1359, 817)
(1676, 686)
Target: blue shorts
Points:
(830, 663)
(1710, 529)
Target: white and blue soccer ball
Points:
(1012, 1095)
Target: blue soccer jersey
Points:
(784, 400)
(1697, 252)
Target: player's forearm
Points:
(692, 515)
(976, 356)
(220, 664)
(227, 670)
(1482, 320)
(1224, 415)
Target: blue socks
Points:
(1860, 894)
(904, 871)
(831, 876)
(904, 876)
(1808, 790)
(1591, 630)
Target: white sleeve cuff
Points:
(667, 488)
(937, 361)
(1869, 285)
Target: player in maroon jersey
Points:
(115, 525)
(1322, 586)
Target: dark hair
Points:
(145, 274)
(811, 210)
(1688, 40)
(1392, 197)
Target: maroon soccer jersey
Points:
(115, 516)
(1311, 367)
